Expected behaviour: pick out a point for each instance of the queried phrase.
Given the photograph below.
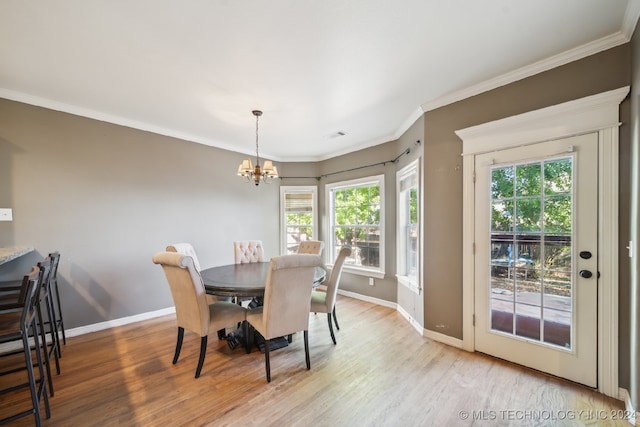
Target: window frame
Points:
(330, 248)
(290, 189)
(411, 282)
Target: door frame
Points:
(597, 113)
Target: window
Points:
(408, 223)
(298, 207)
(356, 220)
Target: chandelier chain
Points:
(257, 153)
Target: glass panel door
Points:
(536, 211)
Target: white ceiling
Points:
(195, 69)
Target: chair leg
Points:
(35, 401)
(47, 362)
(267, 365)
(178, 344)
(306, 349)
(60, 319)
(333, 337)
(203, 352)
(335, 319)
(41, 384)
(53, 323)
(53, 330)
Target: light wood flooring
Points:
(381, 373)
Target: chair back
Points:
(185, 249)
(46, 269)
(31, 283)
(287, 294)
(187, 290)
(55, 261)
(311, 247)
(247, 251)
(334, 278)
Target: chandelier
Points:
(250, 173)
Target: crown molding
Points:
(631, 17)
(115, 119)
(630, 20)
(558, 60)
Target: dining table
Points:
(244, 280)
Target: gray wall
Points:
(108, 197)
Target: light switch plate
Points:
(6, 214)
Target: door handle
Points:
(585, 274)
(585, 254)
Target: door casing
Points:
(597, 113)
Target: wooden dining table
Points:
(244, 280)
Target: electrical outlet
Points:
(6, 214)
(371, 283)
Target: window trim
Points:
(378, 273)
(414, 286)
(289, 189)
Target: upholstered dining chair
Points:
(325, 302)
(193, 312)
(246, 251)
(286, 301)
(188, 250)
(311, 247)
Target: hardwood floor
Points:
(381, 373)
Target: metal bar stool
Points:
(19, 326)
(46, 301)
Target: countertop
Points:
(9, 253)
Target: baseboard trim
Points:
(74, 332)
(445, 339)
(634, 415)
(436, 336)
(95, 327)
(413, 322)
(366, 298)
